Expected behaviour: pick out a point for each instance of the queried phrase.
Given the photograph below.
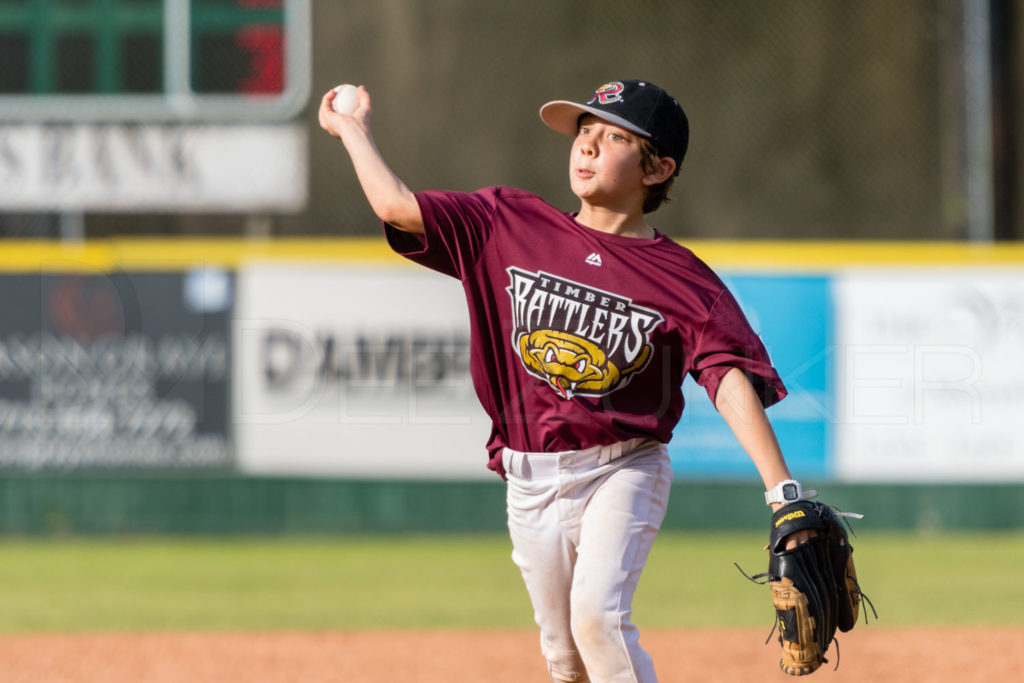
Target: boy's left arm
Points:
(814, 584)
(738, 403)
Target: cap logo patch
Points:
(608, 93)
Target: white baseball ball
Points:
(346, 99)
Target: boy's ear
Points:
(666, 167)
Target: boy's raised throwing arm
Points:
(390, 199)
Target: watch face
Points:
(789, 492)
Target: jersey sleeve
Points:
(456, 225)
(727, 341)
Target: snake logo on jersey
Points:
(582, 341)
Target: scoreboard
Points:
(154, 60)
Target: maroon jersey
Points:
(578, 337)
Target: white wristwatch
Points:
(788, 491)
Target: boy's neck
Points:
(614, 222)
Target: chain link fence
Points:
(809, 118)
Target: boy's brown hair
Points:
(650, 162)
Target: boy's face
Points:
(604, 165)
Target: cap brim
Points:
(562, 116)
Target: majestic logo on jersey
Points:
(594, 259)
(582, 341)
(608, 93)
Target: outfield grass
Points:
(460, 581)
(912, 579)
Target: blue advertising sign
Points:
(794, 316)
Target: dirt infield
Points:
(870, 653)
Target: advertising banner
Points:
(930, 377)
(793, 316)
(119, 370)
(152, 167)
(350, 369)
(355, 371)
(360, 371)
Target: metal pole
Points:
(978, 120)
(72, 226)
(177, 53)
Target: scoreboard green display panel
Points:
(126, 60)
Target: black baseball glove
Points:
(814, 585)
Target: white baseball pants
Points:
(582, 524)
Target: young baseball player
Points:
(583, 327)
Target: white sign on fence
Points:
(153, 167)
(930, 377)
(355, 371)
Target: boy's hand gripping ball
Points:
(346, 99)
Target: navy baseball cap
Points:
(637, 106)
